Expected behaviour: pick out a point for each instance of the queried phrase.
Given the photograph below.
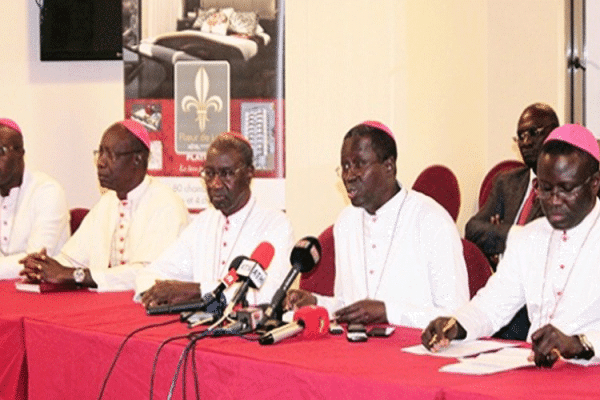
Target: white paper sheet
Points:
(459, 349)
(490, 363)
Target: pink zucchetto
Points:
(578, 136)
(10, 124)
(379, 125)
(137, 130)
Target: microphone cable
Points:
(181, 364)
(155, 361)
(183, 358)
(120, 349)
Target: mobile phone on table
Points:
(335, 328)
(356, 333)
(383, 331)
(354, 327)
(357, 336)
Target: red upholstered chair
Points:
(478, 267)
(77, 215)
(440, 183)
(488, 181)
(322, 277)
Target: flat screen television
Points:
(81, 30)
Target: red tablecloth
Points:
(70, 340)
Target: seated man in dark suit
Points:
(512, 199)
(504, 207)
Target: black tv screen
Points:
(81, 30)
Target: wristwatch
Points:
(588, 349)
(79, 275)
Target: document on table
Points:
(459, 349)
(490, 363)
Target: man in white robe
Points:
(133, 222)
(234, 226)
(398, 253)
(33, 209)
(551, 264)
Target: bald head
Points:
(535, 124)
(231, 141)
(541, 113)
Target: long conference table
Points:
(60, 346)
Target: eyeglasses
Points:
(112, 155)
(359, 167)
(5, 149)
(531, 133)
(562, 193)
(224, 174)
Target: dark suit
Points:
(505, 199)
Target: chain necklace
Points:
(394, 228)
(558, 294)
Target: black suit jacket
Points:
(505, 199)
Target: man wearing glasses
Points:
(234, 226)
(133, 222)
(398, 255)
(512, 199)
(550, 264)
(33, 209)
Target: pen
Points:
(449, 325)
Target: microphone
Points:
(311, 321)
(208, 299)
(252, 273)
(305, 255)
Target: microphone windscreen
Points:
(306, 254)
(235, 264)
(316, 321)
(263, 254)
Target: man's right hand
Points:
(297, 298)
(171, 292)
(440, 332)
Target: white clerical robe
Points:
(555, 273)
(157, 217)
(205, 249)
(408, 255)
(33, 216)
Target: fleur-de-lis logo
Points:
(202, 103)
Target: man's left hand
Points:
(549, 344)
(363, 312)
(171, 292)
(39, 267)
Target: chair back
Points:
(478, 267)
(488, 180)
(321, 278)
(77, 215)
(440, 183)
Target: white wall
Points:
(449, 77)
(62, 107)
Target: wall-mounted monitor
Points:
(81, 30)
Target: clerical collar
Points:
(584, 226)
(390, 207)
(242, 213)
(134, 195)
